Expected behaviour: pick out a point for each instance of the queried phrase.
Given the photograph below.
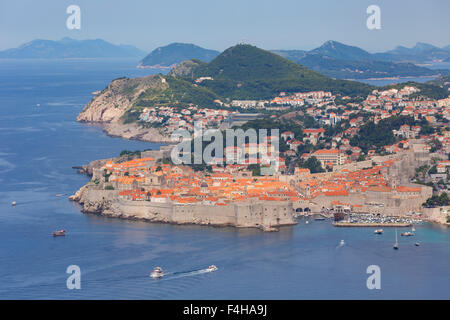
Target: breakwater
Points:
(375, 224)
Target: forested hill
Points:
(175, 53)
(247, 72)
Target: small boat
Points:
(13, 203)
(378, 231)
(307, 222)
(269, 228)
(417, 244)
(38, 104)
(157, 273)
(406, 234)
(396, 240)
(212, 268)
(413, 229)
(59, 233)
(342, 243)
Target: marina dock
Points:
(374, 224)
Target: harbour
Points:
(374, 224)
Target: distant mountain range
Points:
(337, 50)
(420, 53)
(174, 53)
(342, 61)
(333, 59)
(71, 48)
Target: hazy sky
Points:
(274, 24)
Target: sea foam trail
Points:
(181, 274)
(340, 245)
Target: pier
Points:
(374, 224)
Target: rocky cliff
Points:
(94, 200)
(109, 106)
(119, 96)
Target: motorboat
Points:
(342, 243)
(417, 244)
(59, 233)
(212, 268)
(157, 273)
(378, 231)
(13, 203)
(396, 240)
(406, 234)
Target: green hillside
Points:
(427, 90)
(247, 72)
(179, 93)
(442, 81)
(248, 63)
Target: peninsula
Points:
(345, 147)
(146, 188)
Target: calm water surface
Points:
(38, 147)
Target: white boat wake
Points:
(341, 244)
(181, 274)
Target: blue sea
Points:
(40, 144)
(430, 65)
(388, 81)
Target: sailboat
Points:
(396, 240)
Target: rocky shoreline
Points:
(109, 106)
(156, 220)
(131, 131)
(94, 200)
